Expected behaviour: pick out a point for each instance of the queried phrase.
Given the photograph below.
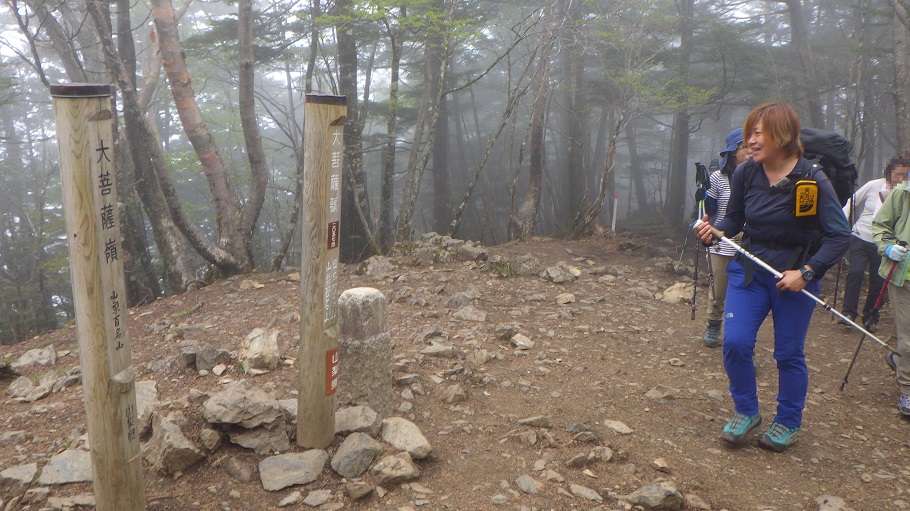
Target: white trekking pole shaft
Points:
(818, 300)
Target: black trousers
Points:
(863, 258)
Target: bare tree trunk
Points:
(61, 41)
(591, 209)
(636, 173)
(231, 254)
(142, 283)
(521, 224)
(575, 175)
(299, 152)
(442, 208)
(147, 158)
(799, 36)
(515, 95)
(413, 173)
(675, 205)
(356, 235)
(259, 172)
(387, 188)
(902, 74)
(430, 101)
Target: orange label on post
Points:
(331, 372)
(333, 235)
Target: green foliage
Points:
(502, 267)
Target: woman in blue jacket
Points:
(792, 220)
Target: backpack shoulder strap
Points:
(749, 170)
(814, 167)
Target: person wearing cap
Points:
(720, 255)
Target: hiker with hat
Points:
(863, 254)
(792, 220)
(720, 255)
(890, 227)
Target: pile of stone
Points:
(25, 389)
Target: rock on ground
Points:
(395, 469)
(243, 404)
(15, 480)
(404, 435)
(662, 497)
(354, 419)
(279, 472)
(355, 454)
(70, 466)
(169, 451)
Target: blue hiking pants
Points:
(745, 310)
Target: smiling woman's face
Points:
(762, 148)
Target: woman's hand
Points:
(792, 280)
(705, 232)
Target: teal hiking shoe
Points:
(779, 437)
(712, 334)
(739, 427)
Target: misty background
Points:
(483, 120)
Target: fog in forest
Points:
(486, 120)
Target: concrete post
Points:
(365, 351)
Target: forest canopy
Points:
(484, 120)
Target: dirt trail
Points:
(594, 360)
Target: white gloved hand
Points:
(896, 253)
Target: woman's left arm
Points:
(834, 226)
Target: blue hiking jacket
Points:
(775, 232)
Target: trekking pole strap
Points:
(818, 300)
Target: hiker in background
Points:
(890, 226)
(863, 254)
(802, 241)
(720, 254)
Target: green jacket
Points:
(890, 225)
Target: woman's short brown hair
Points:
(780, 124)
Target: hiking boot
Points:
(712, 334)
(889, 359)
(841, 321)
(779, 437)
(871, 325)
(904, 406)
(739, 426)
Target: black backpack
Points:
(829, 152)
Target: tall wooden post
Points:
(85, 140)
(320, 223)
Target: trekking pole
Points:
(701, 179)
(806, 292)
(875, 308)
(700, 211)
(836, 285)
(695, 279)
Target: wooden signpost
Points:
(85, 140)
(320, 223)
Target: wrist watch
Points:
(808, 274)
